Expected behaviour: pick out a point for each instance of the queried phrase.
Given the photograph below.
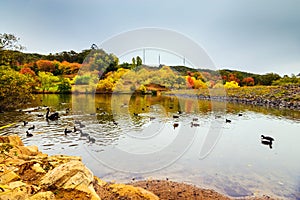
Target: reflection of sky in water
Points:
(238, 162)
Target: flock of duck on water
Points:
(54, 117)
(266, 140)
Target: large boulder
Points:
(71, 175)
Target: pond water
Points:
(159, 137)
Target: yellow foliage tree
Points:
(199, 84)
(231, 84)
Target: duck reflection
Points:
(267, 142)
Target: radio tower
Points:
(144, 57)
(158, 59)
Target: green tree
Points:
(46, 80)
(15, 88)
(286, 80)
(64, 86)
(268, 78)
(9, 41)
(133, 65)
(139, 61)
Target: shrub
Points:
(15, 88)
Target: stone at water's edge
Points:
(70, 175)
(26, 173)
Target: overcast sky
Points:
(257, 36)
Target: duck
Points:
(179, 112)
(82, 134)
(67, 110)
(67, 131)
(268, 138)
(175, 125)
(91, 139)
(25, 123)
(28, 134)
(195, 119)
(76, 129)
(228, 121)
(53, 116)
(81, 125)
(152, 118)
(175, 116)
(240, 114)
(40, 115)
(31, 128)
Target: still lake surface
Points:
(152, 137)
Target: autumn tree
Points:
(45, 66)
(199, 84)
(249, 81)
(232, 77)
(190, 81)
(231, 84)
(105, 85)
(27, 71)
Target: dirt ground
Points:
(169, 190)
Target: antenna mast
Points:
(144, 57)
(158, 59)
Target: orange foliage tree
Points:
(249, 81)
(45, 65)
(27, 71)
(190, 81)
(232, 77)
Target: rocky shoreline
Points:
(284, 97)
(27, 173)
